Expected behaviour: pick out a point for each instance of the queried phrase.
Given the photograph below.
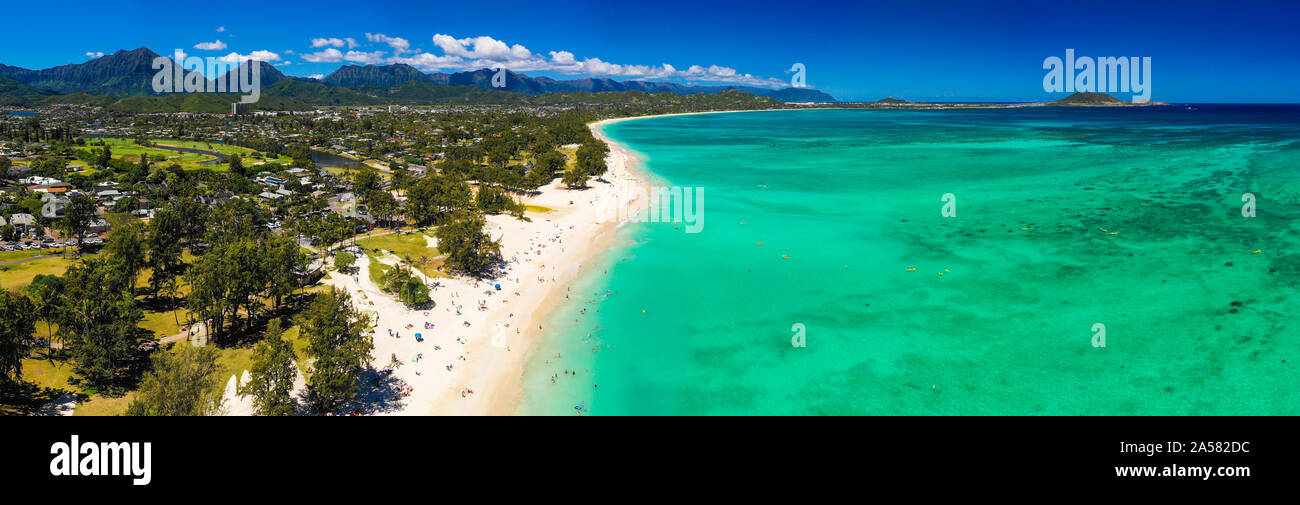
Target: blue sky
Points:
(1240, 52)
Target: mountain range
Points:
(129, 73)
(384, 75)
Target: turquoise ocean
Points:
(1068, 222)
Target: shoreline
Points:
(627, 177)
(623, 164)
(474, 356)
(479, 369)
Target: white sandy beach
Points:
(477, 369)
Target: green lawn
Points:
(127, 150)
(294, 336)
(243, 152)
(411, 247)
(233, 361)
(572, 153)
(377, 269)
(47, 373)
(104, 406)
(54, 375)
(164, 323)
(400, 244)
(17, 276)
(8, 256)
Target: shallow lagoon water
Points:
(1065, 218)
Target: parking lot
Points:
(46, 244)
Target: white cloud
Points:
(221, 29)
(562, 57)
(95, 54)
(372, 58)
(428, 61)
(215, 45)
(480, 52)
(330, 55)
(486, 48)
(351, 42)
(332, 41)
(399, 45)
(317, 76)
(266, 56)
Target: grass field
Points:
(243, 152)
(127, 150)
(55, 374)
(17, 276)
(164, 323)
(376, 269)
(572, 153)
(411, 247)
(9, 256)
(299, 341)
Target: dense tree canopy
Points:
(99, 322)
(338, 337)
(272, 374)
(184, 382)
(17, 322)
(436, 198)
(469, 249)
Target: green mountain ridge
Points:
(123, 80)
(297, 95)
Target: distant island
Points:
(1091, 99)
(1080, 99)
